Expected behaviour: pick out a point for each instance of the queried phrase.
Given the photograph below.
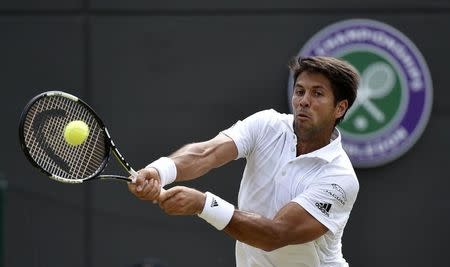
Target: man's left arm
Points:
(291, 225)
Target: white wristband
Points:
(217, 211)
(166, 168)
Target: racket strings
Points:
(73, 154)
(38, 148)
(82, 152)
(79, 152)
(43, 135)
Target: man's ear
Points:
(341, 107)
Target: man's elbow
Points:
(269, 248)
(279, 240)
(273, 243)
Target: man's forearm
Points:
(256, 231)
(195, 160)
(291, 225)
(192, 161)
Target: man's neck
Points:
(307, 147)
(307, 144)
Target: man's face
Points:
(313, 105)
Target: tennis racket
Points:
(41, 133)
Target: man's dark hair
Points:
(344, 78)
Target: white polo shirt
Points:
(323, 182)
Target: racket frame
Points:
(110, 146)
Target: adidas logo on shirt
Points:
(324, 208)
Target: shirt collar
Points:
(330, 151)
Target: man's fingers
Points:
(154, 191)
(147, 185)
(180, 200)
(167, 194)
(140, 181)
(132, 187)
(149, 191)
(143, 178)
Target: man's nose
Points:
(305, 100)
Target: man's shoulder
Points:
(340, 171)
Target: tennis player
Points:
(298, 187)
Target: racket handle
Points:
(134, 174)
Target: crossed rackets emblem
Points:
(377, 81)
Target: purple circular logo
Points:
(395, 93)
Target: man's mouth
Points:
(303, 115)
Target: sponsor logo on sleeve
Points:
(324, 208)
(336, 192)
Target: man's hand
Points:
(147, 185)
(181, 200)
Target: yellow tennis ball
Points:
(76, 132)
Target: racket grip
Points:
(134, 174)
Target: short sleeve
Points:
(330, 200)
(245, 133)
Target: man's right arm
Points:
(195, 160)
(191, 161)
